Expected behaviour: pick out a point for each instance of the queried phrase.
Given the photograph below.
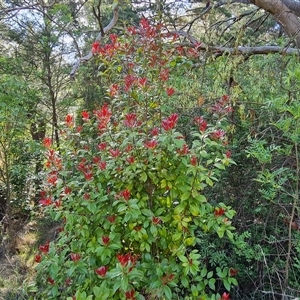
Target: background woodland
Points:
(235, 70)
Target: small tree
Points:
(129, 189)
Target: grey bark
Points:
(87, 57)
(283, 15)
(285, 12)
(293, 5)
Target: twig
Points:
(279, 294)
(296, 196)
(98, 38)
(265, 261)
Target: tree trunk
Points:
(38, 133)
(283, 15)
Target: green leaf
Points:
(115, 273)
(144, 177)
(201, 198)
(190, 241)
(167, 292)
(194, 268)
(145, 246)
(203, 153)
(54, 270)
(71, 270)
(226, 284)
(80, 296)
(147, 212)
(183, 258)
(159, 272)
(209, 181)
(233, 281)
(185, 281)
(194, 290)
(185, 196)
(116, 286)
(122, 207)
(114, 246)
(220, 232)
(203, 272)
(54, 291)
(135, 274)
(211, 283)
(177, 236)
(153, 230)
(124, 283)
(155, 284)
(115, 4)
(219, 272)
(194, 209)
(105, 253)
(220, 166)
(229, 234)
(97, 291)
(92, 207)
(180, 208)
(148, 257)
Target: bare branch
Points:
(235, 19)
(97, 15)
(98, 38)
(218, 51)
(240, 50)
(293, 5)
(17, 9)
(283, 15)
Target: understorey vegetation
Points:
(130, 190)
(160, 161)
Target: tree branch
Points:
(283, 15)
(293, 5)
(240, 50)
(249, 50)
(98, 38)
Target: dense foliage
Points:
(130, 190)
(172, 164)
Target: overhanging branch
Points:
(285, 12)
(283, 15)
(241, 50)
(293, 5)
(98, 38)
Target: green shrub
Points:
(130, 191)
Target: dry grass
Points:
(12, 274)
(18, 247)
(17, 250)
